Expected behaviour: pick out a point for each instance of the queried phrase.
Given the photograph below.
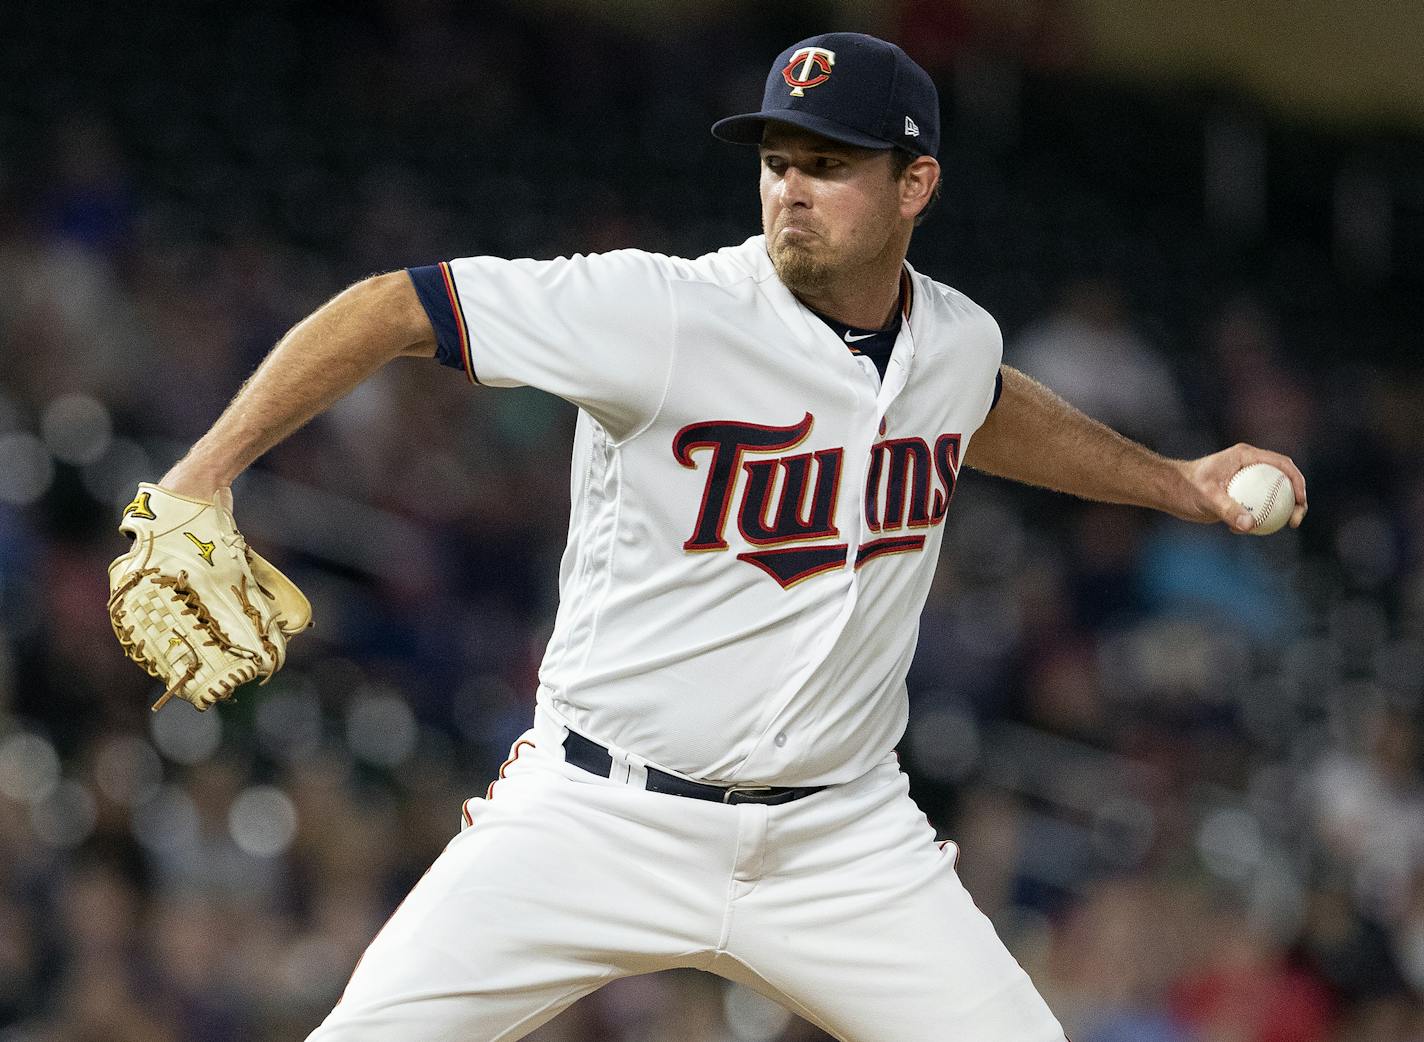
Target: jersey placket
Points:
(896, 377)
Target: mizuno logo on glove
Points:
(205, 549)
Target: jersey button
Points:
(780, 739)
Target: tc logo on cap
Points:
(808, 67)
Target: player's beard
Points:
(799, 268)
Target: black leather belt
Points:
(594, 758)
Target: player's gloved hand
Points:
(1207, 478)
(193, 604)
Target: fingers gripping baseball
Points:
(1209, 477)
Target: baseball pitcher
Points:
(769, 439)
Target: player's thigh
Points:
(874, 937)
(925, 967)
(465, 956)
(939, 972)
(546, 896)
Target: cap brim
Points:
(747, 129)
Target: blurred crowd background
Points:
(1184, 768)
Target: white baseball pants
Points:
(840, 906)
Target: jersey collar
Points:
(757, 261)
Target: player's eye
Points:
(827, 162)
(775, 164)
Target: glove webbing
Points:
(155, 606)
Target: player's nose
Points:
(795, 188)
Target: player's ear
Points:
(917, 185)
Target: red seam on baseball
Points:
(1271, 499)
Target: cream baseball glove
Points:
(193, 604)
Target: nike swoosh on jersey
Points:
(852, 339)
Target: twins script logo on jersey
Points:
(789, 515)
(808, 67)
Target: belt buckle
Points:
(749, 789)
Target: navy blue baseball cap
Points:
(849, 87)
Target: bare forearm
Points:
(1036, 437)
(318, 362)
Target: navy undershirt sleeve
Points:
(998, 389)
(430, 287)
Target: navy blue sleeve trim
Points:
(434, 285)
(998, 389)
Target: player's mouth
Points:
(796, 233)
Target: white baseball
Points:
(1266, 493)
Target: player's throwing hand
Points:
(1208, 501)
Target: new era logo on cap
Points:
(849, 87)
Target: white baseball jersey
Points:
(755, 516)
(755, 523)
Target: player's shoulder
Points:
(947, 308)
(746, 262)
(945, 301)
